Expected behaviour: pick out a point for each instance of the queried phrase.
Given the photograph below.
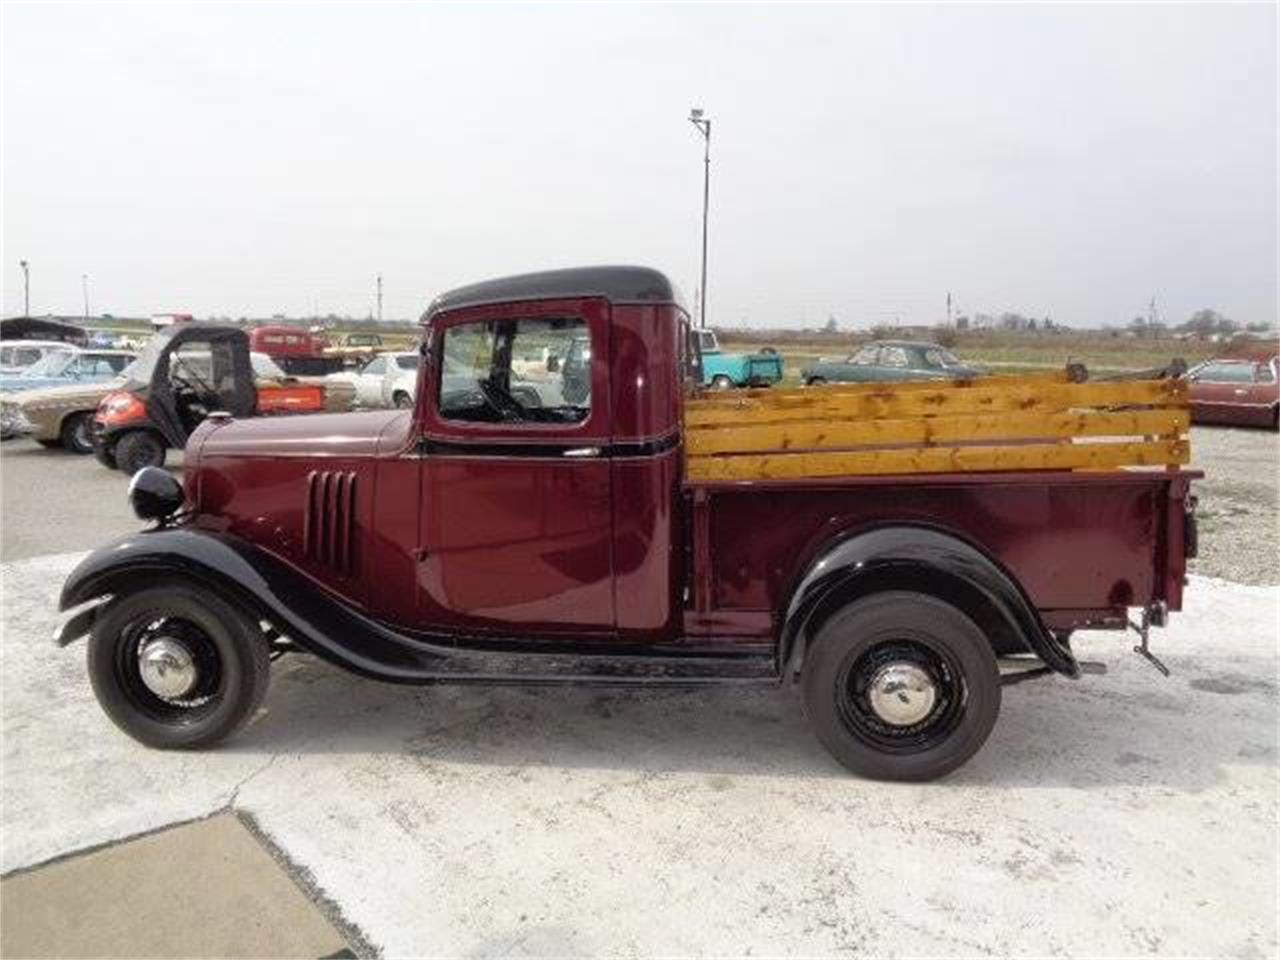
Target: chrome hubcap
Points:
(167, 668)
(902, 694)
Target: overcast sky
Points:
(1070, 161)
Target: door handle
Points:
(579, 452)
(1240, 391)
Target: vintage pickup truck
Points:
(841, 541)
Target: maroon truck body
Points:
(459, 542)
(491, 532)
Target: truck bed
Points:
(1012, 423)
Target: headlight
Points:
(154, 494)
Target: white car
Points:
(388, 380)
(17, 355)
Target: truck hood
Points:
(315, 434)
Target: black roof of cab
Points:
(616, 284)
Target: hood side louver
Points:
(329, 522)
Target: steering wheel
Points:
(507, 406)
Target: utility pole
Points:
(26, 287)
(379, 298)
(704, 127)
(948, 308)
(84, 288)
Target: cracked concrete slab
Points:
(201, 889)
(1124, 815)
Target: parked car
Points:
(1242, 392)
(56, 416)
(891, 360)
(296, 351)
(187, 372)
(720, 371)
(484, 536)
(18, 355)
(75, 365)
(388, 380)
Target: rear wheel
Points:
(177, 667)
(402, 400)
(816, 381)
(75, 434)
(901, 686)
(138, 449)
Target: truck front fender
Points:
(260, 583)
(925, 560)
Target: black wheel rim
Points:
(853, 684)
(210, 688)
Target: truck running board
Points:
(495, 668)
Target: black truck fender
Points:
(924, 560)
(259, 583)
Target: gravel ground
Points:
(1239, 503)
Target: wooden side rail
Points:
(1045, 422)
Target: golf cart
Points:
(186, 372)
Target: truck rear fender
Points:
(924, 560)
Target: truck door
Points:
(515, 520)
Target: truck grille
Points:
(327, 527)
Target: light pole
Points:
(379, 298)
(26, 287)
(84, 288)
(704, 127)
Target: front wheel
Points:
(138, 449)
(177, 667)
(75, 434)
(721, 382)
(901, 686)
(815, 381)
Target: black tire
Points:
(104, 454)
(76, 435)
(138, 449)
(231, 654)
(815, 381)
(50, 444)
(401, 400)
(721, 382)
(858, 643)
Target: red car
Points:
(505, 529)
(1243, 392)
(298, 352)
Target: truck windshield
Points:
(516, 371)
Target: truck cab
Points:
(536, 517)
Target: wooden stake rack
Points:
(1057, 421)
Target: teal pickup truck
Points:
(720, 371)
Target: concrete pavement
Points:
(1123, 815)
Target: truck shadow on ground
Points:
(1130, 728)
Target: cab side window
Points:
(893, 357)
(866, 356)
(516, 371)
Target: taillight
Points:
(120, 407)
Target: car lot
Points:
(1127, 814)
